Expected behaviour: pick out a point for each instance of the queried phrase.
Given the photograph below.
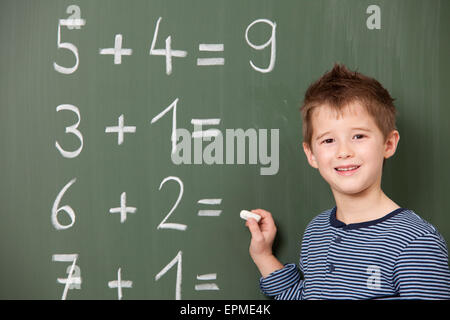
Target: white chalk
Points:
(245, 214)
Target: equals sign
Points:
(210, 213)
(206, 286)
(208, 47)
(77, 23)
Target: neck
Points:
(365, 206)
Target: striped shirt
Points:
(399, 256)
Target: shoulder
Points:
(319, 222)
(318, 229)
(411, 224)
(408, 227)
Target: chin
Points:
(352, 190)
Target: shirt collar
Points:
(339, 224)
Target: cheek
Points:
(372, 154)
(324, 159)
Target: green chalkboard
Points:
(93, 181)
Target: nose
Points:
(344, 151)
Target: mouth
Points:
(347, 170)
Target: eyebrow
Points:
(322, 135)
(361, 128)
(354, 128)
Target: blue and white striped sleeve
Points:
(283, 284)
(421, 270)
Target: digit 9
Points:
(271, 42)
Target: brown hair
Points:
(340, 87)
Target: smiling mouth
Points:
(347, 171)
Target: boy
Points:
(367, 246)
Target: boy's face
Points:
(349, 141)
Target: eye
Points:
(359, 136)
(327, 141)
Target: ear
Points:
(391, 144)
(310, 156)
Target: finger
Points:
(254, 229)
(263, 213)
(266, 218)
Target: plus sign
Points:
(119, 284)
(117, 51)
(120, 130)
(123, 209)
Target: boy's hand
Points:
(263, 234)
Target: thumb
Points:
(253, 226)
